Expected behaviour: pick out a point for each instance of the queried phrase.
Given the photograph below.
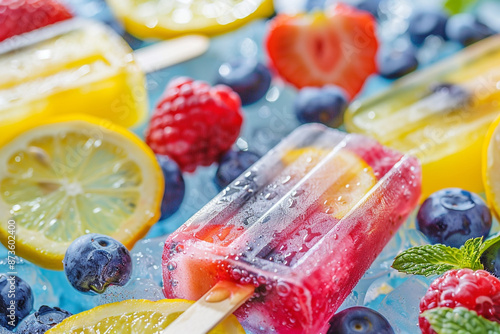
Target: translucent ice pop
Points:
(76, 66)
(302, 225)
(81, 66)
(440, 115)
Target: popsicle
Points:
(440, 115)
(81, 66)
(302, 226)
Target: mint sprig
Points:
(459, 320)
(457, 6)
(437, 259)
(493, 239)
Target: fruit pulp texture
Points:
(445, 130)
(77, 66)
(302, 225)
(166, 19)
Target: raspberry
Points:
(20, 16)
(194, 123)
(475, 290)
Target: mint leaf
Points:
(490, 241)
(471, 252)
(429, 260)
(457, 6)
(459, 320)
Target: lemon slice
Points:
(164, 19)
(135, 317)
(70, 176)
(491, 166)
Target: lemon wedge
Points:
(66, 177)
(491, 166)
(135, 316)
(165, 19)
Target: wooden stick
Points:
(170, 52)
(218, 303)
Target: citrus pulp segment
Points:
(135, 316)
(164, 19)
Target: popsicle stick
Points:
(218, 303)
(170, 52)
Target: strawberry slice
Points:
(333, 47)
(20, 16)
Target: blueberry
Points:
(42, 320)
(467, 29)
(491, 259)
(232, 164)
(452, 216)
(359, 320)
(16, 300)
(247, 77)
(321, 105)
(425, 23)
(393, 64)
(94, 261)
(371, 6)
(175, 187)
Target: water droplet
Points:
(179, 248)
(236, 274)
(171, 266)
(270, 195)
(286, 179)
(291, 203)
(283, 289)
(297, 193)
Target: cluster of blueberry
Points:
(463, 28)
(16, 304)
(92, 263)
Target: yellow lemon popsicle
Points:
(440, 115)
(77, 66)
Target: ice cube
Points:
(401, 306)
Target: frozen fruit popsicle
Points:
(440, 115)
(302, 226)
(79, 66)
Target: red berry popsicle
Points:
(301, 226)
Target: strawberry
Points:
(334, 47)
(477, 291)
(20, 16)
(194, 123)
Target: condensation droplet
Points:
(283, 289)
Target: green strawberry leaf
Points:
(459, 320)
(457, 6)
(429, 260)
